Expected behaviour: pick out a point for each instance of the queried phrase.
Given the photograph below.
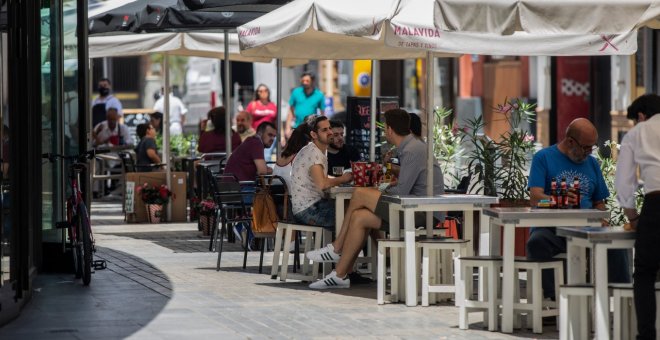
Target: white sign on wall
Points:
(128, 199)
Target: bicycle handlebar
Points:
(81, 158)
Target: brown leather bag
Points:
(264, 210)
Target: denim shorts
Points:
(321, 213)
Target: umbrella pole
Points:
(166, 129)
(278, 147)
(227, 89)
(430, 71)
(375, 84)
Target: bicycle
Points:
(81, 240)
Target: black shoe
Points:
(356, 278)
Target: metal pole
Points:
(227, 89)
(166, 129)
(429, 135)
(278, 147)
(375, 84)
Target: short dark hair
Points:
(309, 74)
(648, 104)
(314, 122)
(142, 129)
(398, 120)
(105, 79)
(218, 118)
(416, 125)
(262, 127)
(157, 115)
(336, 124)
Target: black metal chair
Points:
(231, 208)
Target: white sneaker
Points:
(331, 281)
(325, 254)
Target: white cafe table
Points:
(511, 218)
(409, 205)
(599, 240)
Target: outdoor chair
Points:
(487, 298)
(434, 251)
(277, 188)
(577, 327)
(535, 305)
(231, 208)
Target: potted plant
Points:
(154, 197)
(607, 157)
(514, 150)
(447, 146)
(207, 209)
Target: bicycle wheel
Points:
(86, 238)
(76, 252)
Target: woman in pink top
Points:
(261, 108)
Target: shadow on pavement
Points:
(179, 241)
(120, 301)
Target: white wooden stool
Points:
(578, 327)
(534, 304)
(397, 267)
(625, 317)
(487, 301)
(310, 269)
(431, 283)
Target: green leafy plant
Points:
(607, 158)
(514, 148)
(482, 157)
(447, 144)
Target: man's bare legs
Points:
(363, 198)
(361, 223)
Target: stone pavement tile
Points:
(162, 283)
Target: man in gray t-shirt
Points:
(366, 213)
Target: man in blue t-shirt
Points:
(305, 100)
(569, 159)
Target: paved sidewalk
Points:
(161, 283)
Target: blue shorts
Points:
(321, 213)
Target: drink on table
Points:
(337, 171)
(554, 202)
(563, 194)
(576, 188)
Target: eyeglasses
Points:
(585, 148)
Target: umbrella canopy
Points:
(544, 17)
(177, 16)
(317, 29)
(409, 28)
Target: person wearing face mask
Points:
(568, 159)
(104, 101)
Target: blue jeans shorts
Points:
(321, 213)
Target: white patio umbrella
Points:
(409, 28)
(200, 44)
(543, 17)
(339, 29)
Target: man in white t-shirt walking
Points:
(309, 178)
(177, 113)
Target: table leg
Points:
(411, 261)
(468, 230)
(576, 257)
(602, 307)
(339, 213)
(485, 248)
(507, 278)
